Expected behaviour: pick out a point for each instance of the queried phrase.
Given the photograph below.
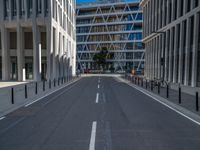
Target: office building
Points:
(172, 39)
(37, 39)
(113, 25)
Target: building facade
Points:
(112, 25)
(37, 39)
(172, 40)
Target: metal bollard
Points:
(142, 82)
(167, 94)
(12, 95)
(58, 81)
(146, 84)
(36, 88)
(49, 83)
(151, 85)
(179, 95)
(43, 85)
(158, 87)
(54, 82)
(25, 90)
(197, 101)
(138, 81)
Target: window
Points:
(39, 6)
(22, 7)
(14, 7)
(30, 7)
(6, 8)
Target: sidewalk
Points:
(4, 84)
(187, 101)
(14, 96)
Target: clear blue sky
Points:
(80, 1)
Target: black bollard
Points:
(179, 95)
(25, 90)
(142, 82)
(146, 84)
(158, 87)
(197, 101)
(54, 82)
(167, 94)
(151, 85)
(43, 85)
(49, 83)
(12, 95)
(36, 88)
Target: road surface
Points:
(98, 113)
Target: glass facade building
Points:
(115, 26)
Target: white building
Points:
(172, 40)
(114, 25)
(37, 39)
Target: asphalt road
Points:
(98, 113)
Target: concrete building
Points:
(113, 25)
(37, 39)
(172, 40)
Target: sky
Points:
(80, 1)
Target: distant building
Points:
(112, 25)
(37, 39)
(172, 40)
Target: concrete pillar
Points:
(36, 53)
(20, 53)
(160, 16)
(196, 37)
(49, 51)
(159, 57)
(153, 60)
(176, 37)
(168, 11)
(163, 13)
(185, 4)
(163, 56)
(61, 56)
(173, 10)
(36, 47)
(187, 51)
(5, 54)
(10, 14)
(55, 54)
(1, 11)
(181, 51)
(178, 14)
(43, 10)
(166, 56)
(155, 57)
(171, 48)
(26, 9)
(155, 15)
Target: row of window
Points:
(114, 37)
(116, 46)
(164, 12)
(129, 17)
(109, 28)
(109, 9)
(10, 7)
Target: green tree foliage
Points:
(100, 58)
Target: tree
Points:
(100, 58)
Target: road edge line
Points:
(178, 109)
